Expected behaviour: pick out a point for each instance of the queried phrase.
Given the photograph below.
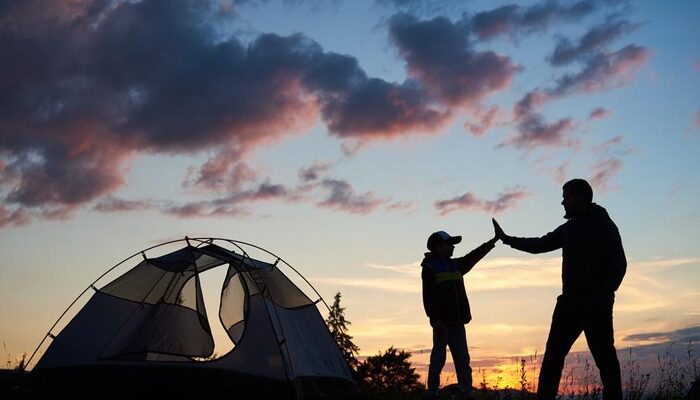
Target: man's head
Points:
(577, 195)
(442, 244)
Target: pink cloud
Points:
(469, 201)
(223, 171)
(16, 217)
(599, 113)
(483, 120)
(608, 145)
(114, 90)
(561, 172)
(697, 118)
(603, 172)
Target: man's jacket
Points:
(444, 296)
(593, 260)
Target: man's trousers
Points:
(593, 317)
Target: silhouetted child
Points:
(447, 307)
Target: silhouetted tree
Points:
(389, 375)
(338, 326)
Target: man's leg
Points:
(437, 358)
(460, 356)
(566, 327)
(598, 327)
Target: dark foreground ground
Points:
(15, 384)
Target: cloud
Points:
(598, 37)
(314, 172)
(603, 172)
(513, 19)
(599, 113)
(533, 131)
(127, 78)
(530, 103)
(342, 196)
(223, 171)
(501, 273)
(468, 201)
(378, 109)
(679, 335)
(605, 71)
(664, 263)
(112, 204)
(561, 172)
(440, 57)
(697, 118)
(13, 218)
(484, 119)
(611, 146)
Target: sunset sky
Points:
(339, 134)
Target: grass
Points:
(670, 376)
(673, 375)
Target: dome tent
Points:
(148, 328)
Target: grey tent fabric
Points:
(154, 316)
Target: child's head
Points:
(442, 244)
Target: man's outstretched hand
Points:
(498, 231)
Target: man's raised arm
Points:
(534, 245)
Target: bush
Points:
(389, 375)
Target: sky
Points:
(339, 134)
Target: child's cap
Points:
(441, 236)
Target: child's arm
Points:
(468, 262)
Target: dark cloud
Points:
(530, 103)
(94, 83)
(314, 172)
(341, 196)
(604, 71)
(680, 335)
(513, 19)
(599, 113)
(379, 109)
(111, 204)
(533, 131)
(204, 209)
(598, 37)
(469, 201)
(439, 56)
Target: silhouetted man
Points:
(593, 265)
(446, 305)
